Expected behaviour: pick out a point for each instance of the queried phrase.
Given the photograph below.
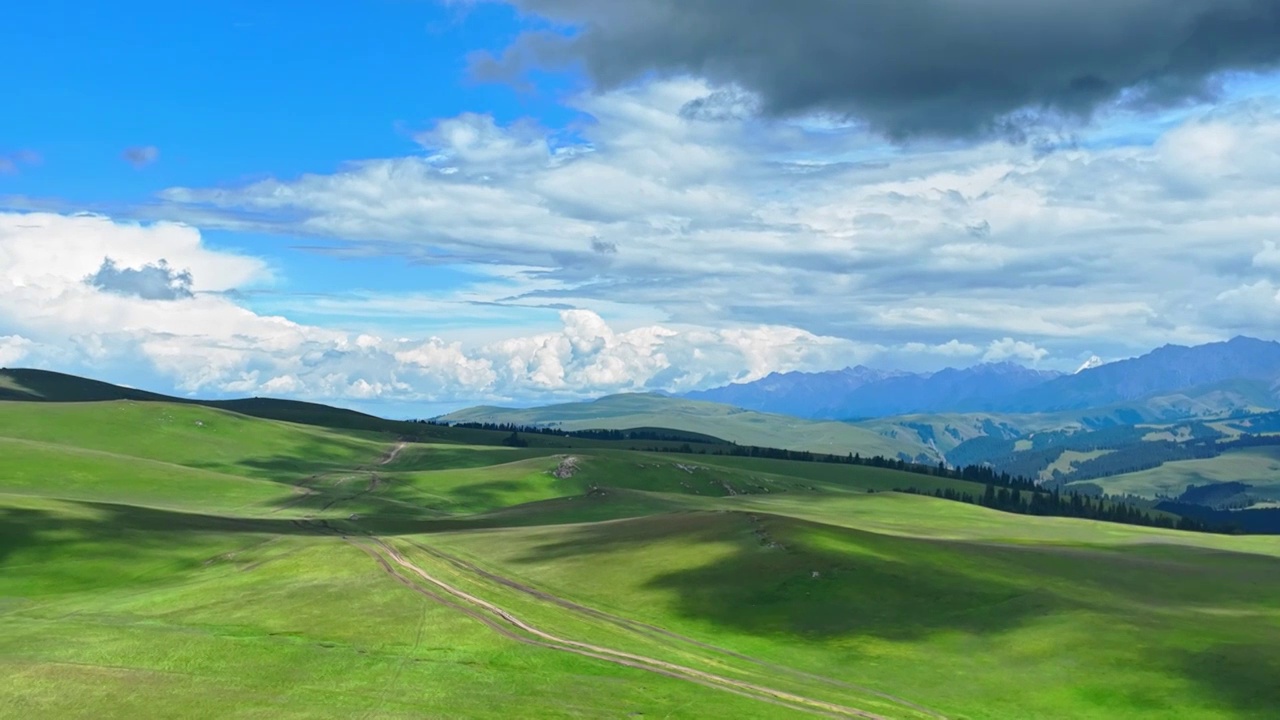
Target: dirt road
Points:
(662, 633)
(507, 624)
(391, 455)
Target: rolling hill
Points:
(172, 559)
(744, 427)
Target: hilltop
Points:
(391, 577)
(744, 427)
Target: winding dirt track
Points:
(503, 622)
(654, 630)
(391, 455)
(477, 608)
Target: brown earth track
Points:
(507, 633)
(510, 627)
(646, 628)
(391, 454)
(759, 692)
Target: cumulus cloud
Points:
(813, 224)
(12, 349)
(951, 69)
(1010, 349)
(151, 315)
(1269, 257)
(952, 348)
(141, 156)
(153, 281)
(1245, 307)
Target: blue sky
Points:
(401, 205)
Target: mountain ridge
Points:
(864, 393)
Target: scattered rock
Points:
(568, 466)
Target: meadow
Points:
(744, 427)
(174, 560)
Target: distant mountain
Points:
(1240, 375)
(1090, 364)
(1162, 371)
(862, 392)
(744, 427)
(798, 393)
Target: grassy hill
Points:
(1256, 468)
(744, 427)
(27, 385)
(164, 559)
(1225, 406)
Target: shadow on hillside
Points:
(1243, 676)
(139, 530)
(319, 458)
(767, 575)
(836, 583)
(307, 461)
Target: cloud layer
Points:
(945, 68)
(138, 312)
(1127, 240)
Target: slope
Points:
(743, 427)
(446, 580)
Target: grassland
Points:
(173, 560)
(744, 427)
(1258, 467)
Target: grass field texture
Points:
(162, 560)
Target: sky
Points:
(411, 206)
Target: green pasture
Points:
(162, 560)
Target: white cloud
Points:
(952, 348)
(44, 248)
(13, 348)
(1246, 307)
(1269, 257)
(1010, 349)
(739, 221)
(206, 343)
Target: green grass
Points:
(744, 427)
(1069, 459)
(1101, 627)
(192, 436)
(1259, 467)
(176, 560)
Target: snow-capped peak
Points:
(1090, 364)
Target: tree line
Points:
(1004, 491)
(1073, 505)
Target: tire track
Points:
(507, 633)
(545, 639)
(653, 630)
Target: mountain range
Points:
(1239, 375)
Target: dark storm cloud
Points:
(914, 67)
(150, 282)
